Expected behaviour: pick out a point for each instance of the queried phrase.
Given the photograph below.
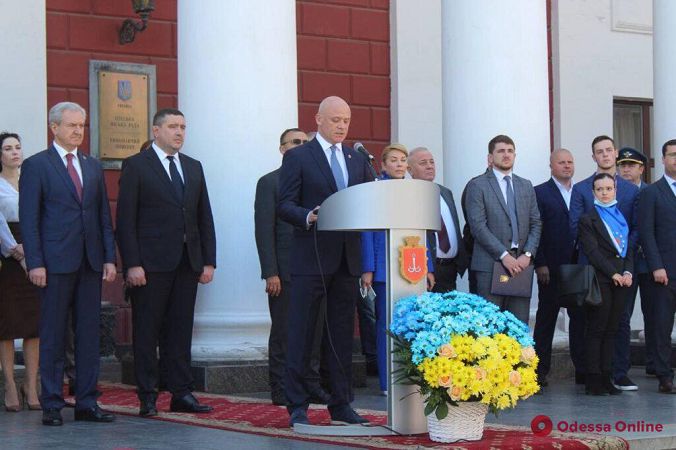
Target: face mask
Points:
(597, 202)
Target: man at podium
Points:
(322, 263)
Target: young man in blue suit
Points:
(311, 173)
(657, 228)
(556, 248)
(69, 247)
(605, 155)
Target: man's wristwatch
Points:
(529, 254)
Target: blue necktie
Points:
(176, 180)
(511, 208)
(335, 168)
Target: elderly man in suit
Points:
(69, 247)
(321, 261)
(273, 239)
(446, 245)
(605, 156)
(505, 222)
(167, 241)
(556, 248)
(657, 229)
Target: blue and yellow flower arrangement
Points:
(460, 347)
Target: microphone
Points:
(358, 146)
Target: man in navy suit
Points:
(311, 173)
(69, 247)
(605, 155)
(556, 248)
(657, 228)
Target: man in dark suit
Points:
(273, 239)
(505, 222)
(556, 248)
(446, 245)
(631, 164)
(167, 241)
(311, 173)
(605, 155)
(69, 247)
(657, 228)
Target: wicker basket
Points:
(464, 422)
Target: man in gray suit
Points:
(505, 221)
(273, 240)
(447, 244)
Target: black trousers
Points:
(445, 275)
(664, 308)
(545, 325)
(80, 292)
(307, 293)
(277, 341)
(168, 299)
(602, 323)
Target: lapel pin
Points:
(349, 156)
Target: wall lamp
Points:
(129, 28)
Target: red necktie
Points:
(73, 175)
(444, 242)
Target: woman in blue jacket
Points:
(374, 266)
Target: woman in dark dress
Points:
(19, 299)
(603, 234)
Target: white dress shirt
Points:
(565, 193)
(670, 181)
(165, 161)
(326, 146)
(76, 162)
(450, 229)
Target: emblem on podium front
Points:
(413, 260)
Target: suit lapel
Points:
(667, 192)
(87, 176)
(55, 159)
(493, 181)
(556, 193)
(447, 195)
(601, 229)
(320, 157)
(189, 181)
(352, 165)
(156, 165)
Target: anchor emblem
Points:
(413, 260)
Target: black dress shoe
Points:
(188, 403)
(320, 396)
(148, 408)
(345, 415)
(94, 414)
(580, 378)
(52, 417)
(372, 368)
(666, 386)
(298, 415)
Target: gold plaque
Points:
(123, 113)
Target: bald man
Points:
(311, 173)
(556, 248)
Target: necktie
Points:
(176, 180)
(444, 242)
(73, 175)
(335, 168)
(511, 208)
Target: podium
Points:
(402, 208)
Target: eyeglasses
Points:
(295, 141)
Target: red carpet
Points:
(260, 417)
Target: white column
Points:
(24, 76)
(237, 87)
(664, 89)
(494, 75)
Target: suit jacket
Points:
(582, 201)
(556, 242)
(599, 248)
(462, 258)
(306, 181)
(273, 235)
(57, 229)
(489, 219)
(153, 225)
(657, 227)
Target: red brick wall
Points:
(344, 50)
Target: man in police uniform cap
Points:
(631, 165)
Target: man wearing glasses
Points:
(273, 239)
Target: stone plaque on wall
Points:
(122, 102)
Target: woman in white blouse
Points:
(19, 299)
